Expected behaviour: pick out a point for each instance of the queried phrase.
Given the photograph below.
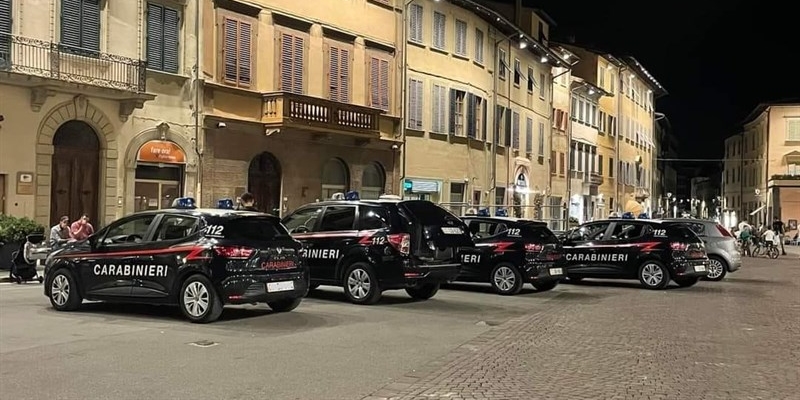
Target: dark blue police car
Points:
(196, 258)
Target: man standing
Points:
(247, 202)
(777, 226)
(81, 229)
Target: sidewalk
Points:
(792, 250)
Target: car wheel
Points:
(423, 292)
(653, 275)
(717, 269)
(361, 284)
(285, 305)
(199, 301)
(686, 282)
(506, 279)
(544, 286)
(64, 294)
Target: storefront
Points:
(160, 168)
(422, 189)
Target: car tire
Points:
(361, 285)
(198, 300)
(653, 275)
(544, 286)
(284, 305)
(506, 279)
(687, 282)
(64, 293)
(720, 268)
(423, 292)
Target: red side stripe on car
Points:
(194, 251)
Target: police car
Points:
(515, 251)
(196, 258)
(654, 252)
(369, 246)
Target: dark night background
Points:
(717, 59)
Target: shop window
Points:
(335, 178)
(372, 181)
(159, 175)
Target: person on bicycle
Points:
(745, 238)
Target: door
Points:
(75, 175)
(301, 224)
(120, 256)
(479, 265)
(264, 183)
(581, 249)
(335, 235)
(171, 230)
(625, 246)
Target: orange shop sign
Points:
(161, 151)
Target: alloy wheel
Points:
(196, 299)
(504, 278)
(59, 290)
(652, 274)
(358, 284)
(715, 269)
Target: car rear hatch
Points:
(685, 244)
(541, 244)
(253, 244)
(436, 234)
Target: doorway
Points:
(264, 182)
(157, 186)
(75, 175)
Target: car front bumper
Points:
(242, 289)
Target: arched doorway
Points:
(335, 178)
(158, 178)
(75, 175)
(373, 181)
(264, 182)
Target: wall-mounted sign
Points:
(161, 151)
(25, 183)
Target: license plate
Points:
(451, 231)
(699, 268)
(280, 286)
(556, 271)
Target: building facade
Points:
(762, 165)
(95, 117)
(478, 100)
(666, 177)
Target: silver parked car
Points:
(723, 255)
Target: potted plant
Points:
(13, 233)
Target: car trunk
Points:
(436, 234)
(256, 244)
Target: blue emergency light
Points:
(483, 212)
(226, 204)
(643, 216)
(183, 203)
(627, 215)
(501, 212)
(351, 196)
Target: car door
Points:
(627, 243)
(335, 234)
(474, 266)
(580, 248)
(301, 224)
(169, 232)
(109, 270)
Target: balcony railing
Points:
(50, 60)
(288, 109)
(596, 179)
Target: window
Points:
(237, 51)
(439, 33)
(529, 136)
(610, 167)
(541, 139)
(612, 82)
(793, 129)
(175, 227)
(163, 27)
(517, 71)
(590, 232)
(793, 169)
(303, 220)
(130, 231)
(80, 26)
(415, 22)
(602, 76)
(515, 130)
(457, 197)
(503, 64)
(553, 163)
(600, 164)
(479, 46)
(415, 104)
(542, 85)
(338, 218)
(252, 228)
(562, 164)
(291, 62)
(482, 229)
(457, 98)
(338, 74)
(439, 112)
(531, 82)
(379, 83)
(476, 117)
(629, 231)
(461, 38)
(371, 217)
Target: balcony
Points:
(784, 181)
(596, 179)
(288, 110)
(22, 57)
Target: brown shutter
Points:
(245, 54)
(286, 59)
(374, 82)
(230, 47)
(333, 73)
(384, 89)
(344, 76)
(298, 62)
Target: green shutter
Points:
(155, 36)
(471, 115)
(5, 33)
(90, 25)
(452, 119)
(71, 23)
(171, 44)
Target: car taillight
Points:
(723, 231)
(401, 242)
(677, 246)
(534, 248)
(234, 252)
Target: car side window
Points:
(302, 220)
(338, 218)
(590, 232)
(482, 229)
(627, 231)
(372, 217)
(698, 229)
(175, 227)
(130, 231)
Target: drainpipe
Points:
(198, 101)
(767, 190)
(495, 122)
(617, 136)
(404, 95)
(550, 148)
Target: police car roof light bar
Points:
(225, 204)
(184, 203)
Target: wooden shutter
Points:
(171, 43)
(498, 118)
(379, 83)
(384, 90)
(298, 61)
(515, 130)
(90, 24)
(5, 28)
(155, 36)
(70, 25)
(339, 74)
(230, 49)
(285, 42)
(452, 119)
(541, 138)
(507, 138)
(412, 105)
(245, 53)
(529, 135)
(471, 114)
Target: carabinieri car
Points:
(654, 252)
(369, 246)
(515, 251)
(196, 258)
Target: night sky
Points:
(717, 59)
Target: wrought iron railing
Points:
(282, 107)
(28, 56)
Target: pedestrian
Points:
(780, 231)
(247, 202)
(81, 229)
(745, 238)
(59, 233)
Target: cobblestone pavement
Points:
(735, 339)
